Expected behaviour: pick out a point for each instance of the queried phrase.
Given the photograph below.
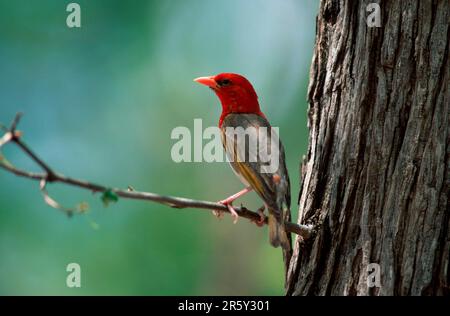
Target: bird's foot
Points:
(233, 213)
(262, 217)
(228, 203)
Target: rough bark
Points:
(376, 177)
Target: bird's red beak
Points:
(207, 81)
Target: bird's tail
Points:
(277, 232)
(279, 237)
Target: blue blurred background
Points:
(100, 103)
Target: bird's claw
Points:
(233, 213)
(262, 217)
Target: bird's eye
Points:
(224, 82)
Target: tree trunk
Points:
(375, 181)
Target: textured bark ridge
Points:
(376, 176)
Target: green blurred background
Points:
(100, 103)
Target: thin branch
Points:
(15, 122)
(13, 136)
(51, 202)
(16, 139)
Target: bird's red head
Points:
(235, 92)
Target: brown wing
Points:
(272, 185)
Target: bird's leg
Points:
(235, 196)
(228, 202)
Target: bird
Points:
(241, 109)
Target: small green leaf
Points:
(109, 196)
